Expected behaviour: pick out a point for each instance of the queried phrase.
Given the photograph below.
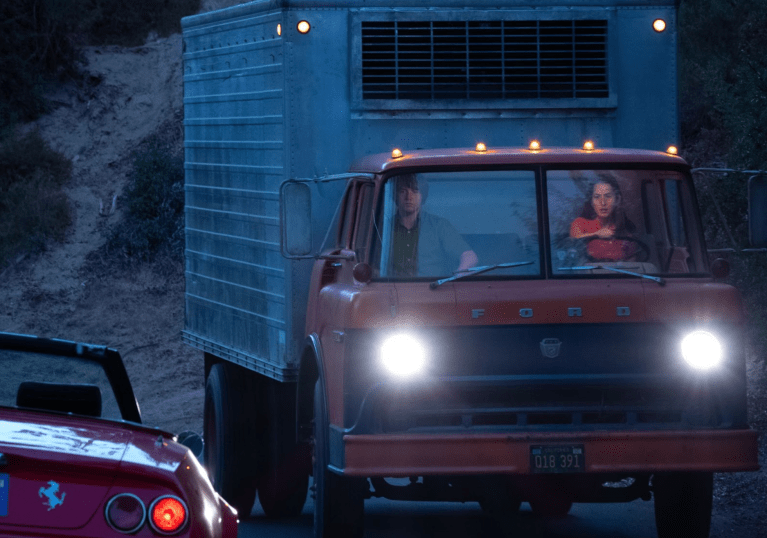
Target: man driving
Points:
(424, 244)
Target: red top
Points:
(603, 249)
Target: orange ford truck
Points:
(531, 316)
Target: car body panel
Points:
(59, 469)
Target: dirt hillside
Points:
(127, 95)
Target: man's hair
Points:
(413, 182)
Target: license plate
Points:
(4, 480)
(557, 459)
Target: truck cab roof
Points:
(470, 157)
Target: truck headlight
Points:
(403, 355)
(702, 350)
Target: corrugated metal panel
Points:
(497, 59)
(234, 145)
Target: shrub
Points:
(724, 123)
(34, 48)
(33, 206)
(154, 201)
(117, 22)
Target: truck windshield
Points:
(632, 220)
(601, 223)
(436, 224)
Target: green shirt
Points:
(432, 247)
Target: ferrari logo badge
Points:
(50, 494)
(550, 347)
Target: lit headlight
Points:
(701, 350)
(403, 355)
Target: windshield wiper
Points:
(657, 279)
(472, 271)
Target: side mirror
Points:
(295, 220)
(757, 211)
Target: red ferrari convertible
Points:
(76, 461)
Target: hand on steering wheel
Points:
(643, 247)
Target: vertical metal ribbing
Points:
(431, 65)
(538, 56)
(396, 60)
(468, 61)
(503, 59)
(573, 43)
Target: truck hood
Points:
(483, 303)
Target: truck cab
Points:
(565, 365)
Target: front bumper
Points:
(396, 455)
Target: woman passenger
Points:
(604, 223)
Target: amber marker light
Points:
(588, 145)
(535, 145)
(279, 29)
(481, 148)
(168, 514)
(303, 27)
(659, 25)
(396, 154)
(672, 150)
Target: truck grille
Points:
(436, 60)
(530, 407)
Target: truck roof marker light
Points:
(303, 27)
(396, 153)
(659, 25)
(279, 29)
(672, 150)
(480, 148)
(588, 145)
(535, 145)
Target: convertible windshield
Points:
(436, 224)
(640, 221)
(56, 383)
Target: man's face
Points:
(408, 200)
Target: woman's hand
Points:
(607, 232)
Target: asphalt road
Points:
(384, 518)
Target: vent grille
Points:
(436, 60)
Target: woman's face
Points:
(603, 200)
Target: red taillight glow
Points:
(168, 514)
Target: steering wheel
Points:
(641, 255)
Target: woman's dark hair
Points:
(618, 218)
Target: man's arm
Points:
(468, 259)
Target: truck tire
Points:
(683, 504)
(228, 428)
(283, 487)
(339, 501)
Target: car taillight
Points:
(167, 514)
(125, 513)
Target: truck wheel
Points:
(227, 428)
(683, 504)
(283, 487)
(339, 501)
(282, 493)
